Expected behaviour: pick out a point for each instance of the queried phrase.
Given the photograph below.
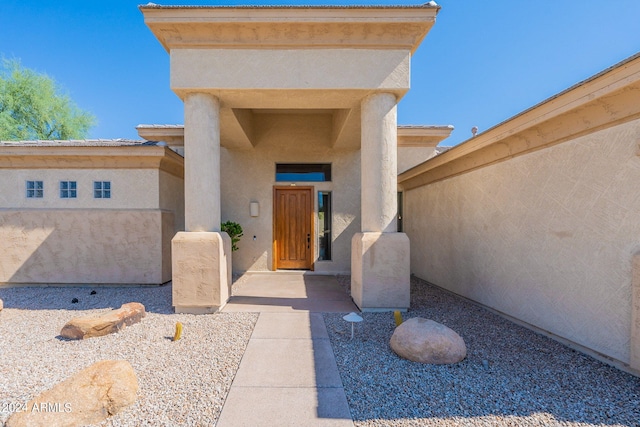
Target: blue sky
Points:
(483, 62)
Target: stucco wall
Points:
(409, 157)
(171, 198)
(124, 195)
(249, 175)
(123, 239)
(82, 246)
(546, 237)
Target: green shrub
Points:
(234, 230)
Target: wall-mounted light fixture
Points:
(254, 209)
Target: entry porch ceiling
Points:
(244, 128)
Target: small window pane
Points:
(324, 225)
(35, 189)
(400, 219)
(316, 172)
(68, 190)
(102, 189)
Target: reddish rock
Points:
(425, 341)
(88, 397)
(104, 324)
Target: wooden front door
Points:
(293, 228)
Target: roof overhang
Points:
(607, 99)
(422, 136)
(408, 136)
(19, 155)
(289, 27)
(173, 135)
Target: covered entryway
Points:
(262, 84)
(293, 228)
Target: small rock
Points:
(92, 293)
(425, 341)
(74, 301)
(108, 323)
(1, 305)
(88, 397)
(485, 363)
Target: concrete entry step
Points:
(289, 292)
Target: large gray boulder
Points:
(95, 326)
(425, 341)
(88, 397)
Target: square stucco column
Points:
(201, 255)
(379, 254)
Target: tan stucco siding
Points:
(249, 175)
(83, 246)
(409, 157)
(546, 237)
(250, 74)
(171, 196)
(130, 188)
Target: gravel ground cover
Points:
(182, 383)
(512, 376)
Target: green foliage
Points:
(33, 106)
(234, 230)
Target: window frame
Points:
(34, 189)
(327, 210)
(68, 189)
(303, 172)
(101, 189)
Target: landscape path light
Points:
(352, 318)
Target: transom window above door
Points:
(308, 172)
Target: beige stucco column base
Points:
(201, 263)
(380, 271)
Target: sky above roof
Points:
(483, 61)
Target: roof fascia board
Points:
(178, 27)
(147, 157)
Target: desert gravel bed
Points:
(511, 376)
(182, 383)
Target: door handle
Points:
(308, 241)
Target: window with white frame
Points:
(35, 189)
(101, 189)
(68, 189)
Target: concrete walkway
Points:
(288, 374)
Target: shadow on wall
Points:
(84, 247)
